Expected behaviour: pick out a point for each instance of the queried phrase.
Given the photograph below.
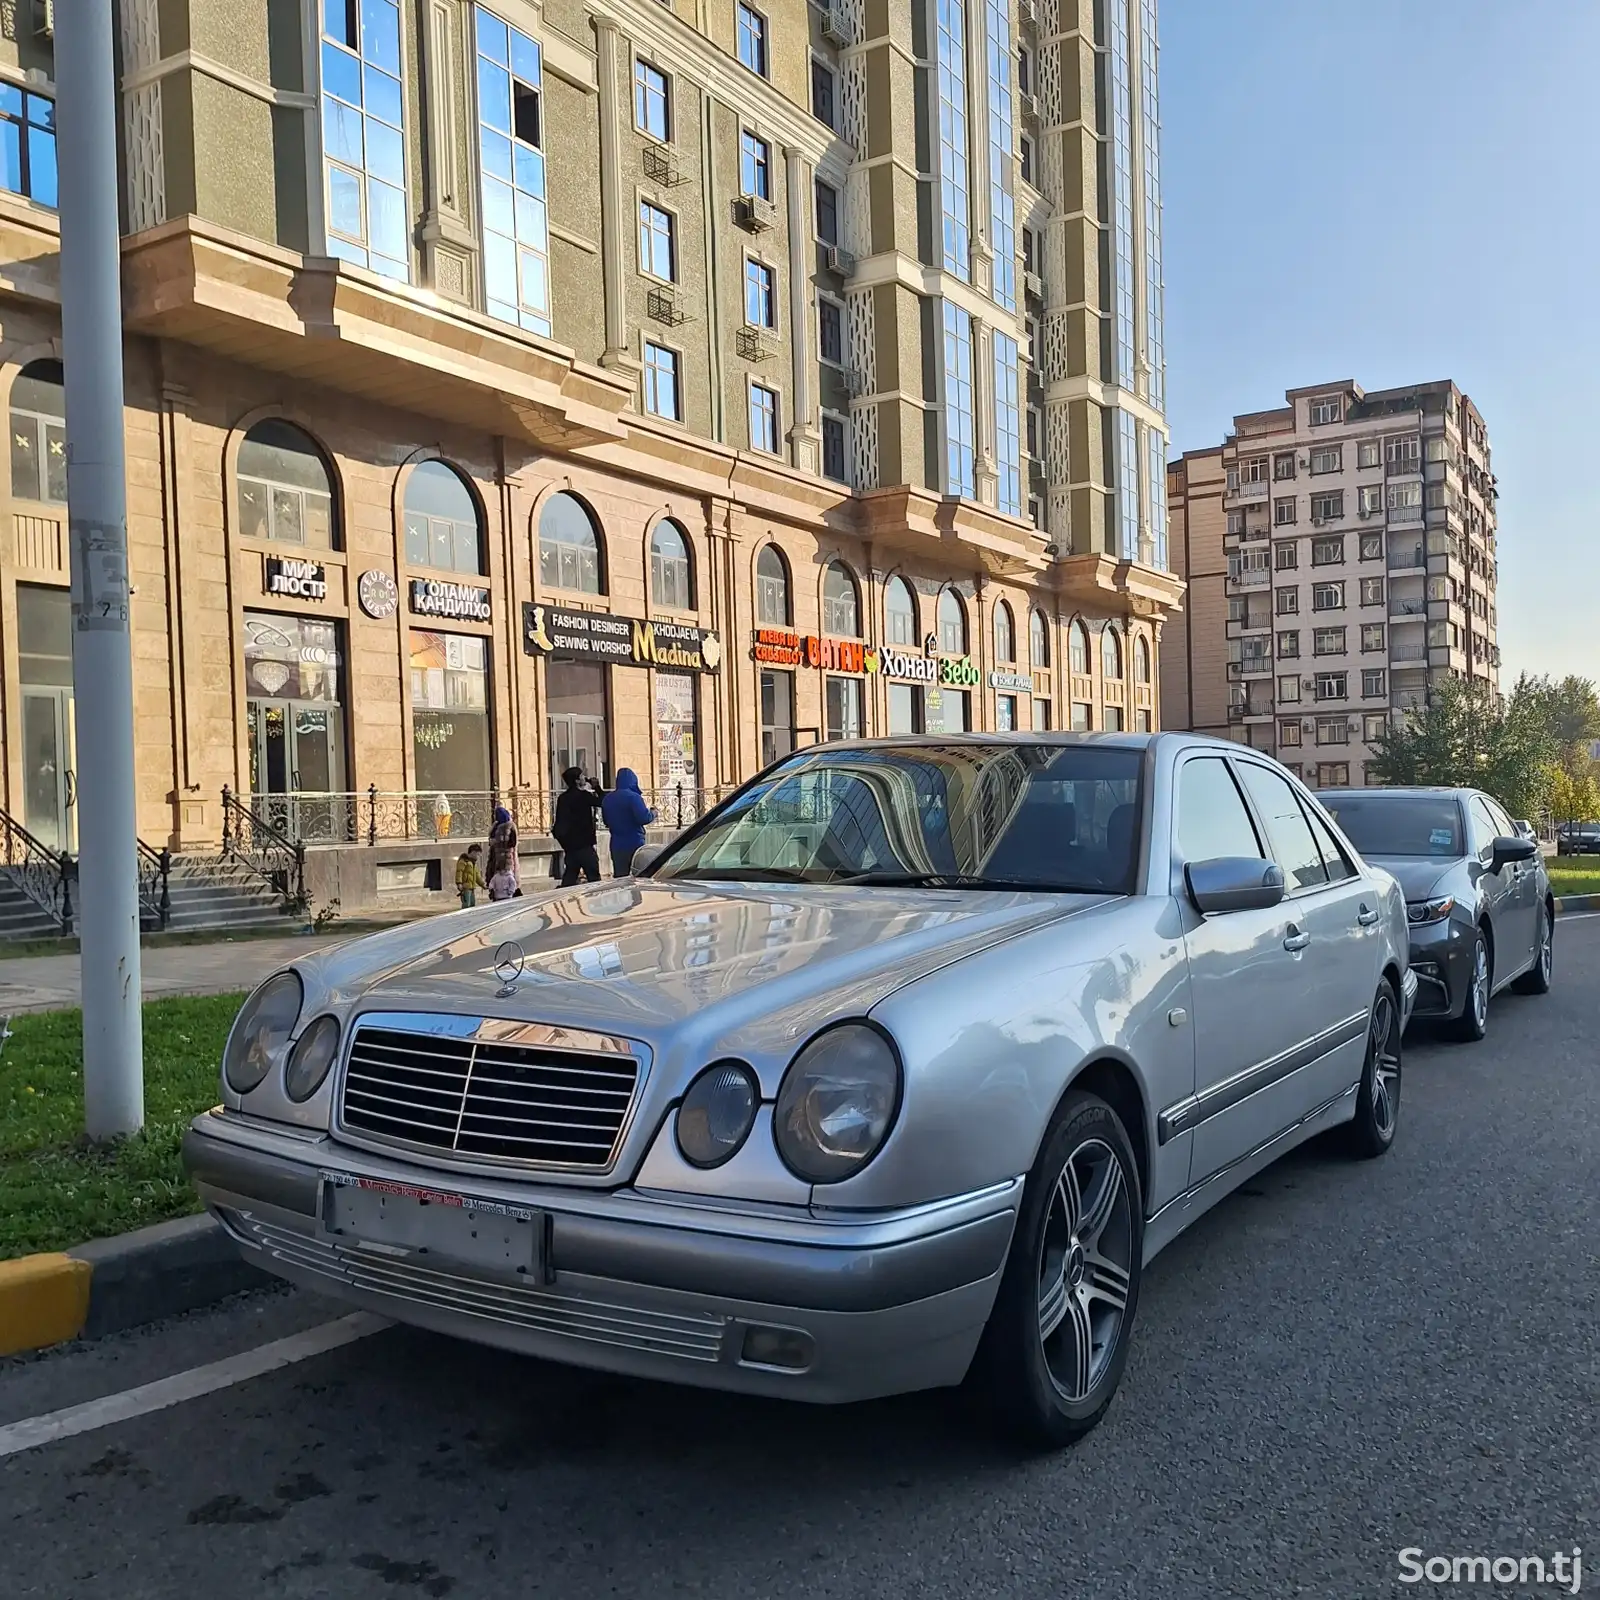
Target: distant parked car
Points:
(1478, 898)
(1525, 829)
(1578, 839)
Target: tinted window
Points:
(1212, 819)
(1023, 816)
(1398, 825)
(1293, 846)
(1483, 824)
(1505, 828)
(1337, 862)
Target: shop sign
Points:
(296, 580)
(1021, 682)
(905, 668)
(379, 595)
(463, 602)
(625, 641)
(779, 648)
(958, 672)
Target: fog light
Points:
(785, 1348)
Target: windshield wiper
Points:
(744, 875)
(952, 880)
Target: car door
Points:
(1241, 977)
(1513, 892)
(1323, 996)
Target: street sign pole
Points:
(102, 660)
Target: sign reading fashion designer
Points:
(627, 641)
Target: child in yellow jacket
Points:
(469, 880)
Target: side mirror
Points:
(646, 856)
(1508, 847)
(1234, 883)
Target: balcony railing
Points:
(1248, 491)
(1404, 560)
(1250, 580)
(1408, 652)
(1252, 667)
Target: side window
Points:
(1212, 819)
(1503, 824)
(1339, 865)
(1294, 847)
(1483, 825)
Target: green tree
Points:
(1466, 735)
(1573, 798)
(1568, 710)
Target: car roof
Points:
(1063, 738)
(1432, 792)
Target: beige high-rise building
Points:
(531, 382)
(1340, 558)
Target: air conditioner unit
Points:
(1308, 724)
(1317, 522)
(1028, 11)
(837, 259)
(661, 166)
(757, 344)
(1308, 683)
(1028, 101)
(754, 214)
(835, 25)
(1033, 285)
(44, 18)
(664, 306)
(1305, 463)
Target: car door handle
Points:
(1295, 940)
(1366, 917)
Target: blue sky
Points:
(1392, 191)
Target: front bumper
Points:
(646, 1284)
(1441, 958)
(1408, 997)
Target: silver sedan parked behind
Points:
(893, 1071)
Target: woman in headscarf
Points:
(503, 848)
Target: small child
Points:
(502, 877)
(469, 879)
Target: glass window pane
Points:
(380, 33)
(24, 458)
(499, 212)
(494, 97)
(253, 503)
(386, 157)
(530, 228)
(1293, 847)
(344, 202)
(441, 543)
(11, 157)
(530, 169)
(287, 525)
(535, 284)
(341, 73)
(1212, 819)
(11, 100)
(55, 462)
(318, 512)
(525, 62)
(341, 132)
(381, 96)
(386, 219)
(492, 40)
(495, 149)
(500, 268)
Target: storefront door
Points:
(575, 700)
(50, 790)
(296, 768)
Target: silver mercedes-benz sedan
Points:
(893, 1071)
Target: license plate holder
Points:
(436, 1227)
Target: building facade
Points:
(1340, 558)
(614, 383)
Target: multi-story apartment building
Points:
(527, 382)
(1340, 558)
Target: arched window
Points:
(1038, 642)
(772, 588)
(900, 612)
(952, 623)
(1111, 653)
(285, 488)
(671, 575)
(1005, 634)
(1078, 649)
(443, 529)
(569, 547)
(841, 603)
(39, 434)
(1141, 659)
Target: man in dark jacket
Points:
(574, 828)
(626, 815)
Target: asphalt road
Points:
(1339, 1363)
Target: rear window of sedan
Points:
(1014, 816)
(1398, 825)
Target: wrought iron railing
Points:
(43, 875)
(155, 892)
(264, 849)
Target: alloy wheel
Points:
(1480, 984)
(1384, 1045)
(1546, 946)
(1085, 1267)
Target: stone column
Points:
(613, 223)
(448, 245)
(985, 480)
(805, 438)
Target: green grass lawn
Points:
(55, 1189)
(1574, 874)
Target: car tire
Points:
(1057, 1340)
(1536, 980)
(1372, 1131)
(1473, 1023)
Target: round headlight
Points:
(310, 1059)
(836, 1103)
(261, 1032)
(717, 1113)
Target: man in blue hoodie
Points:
(625, 815)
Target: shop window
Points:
(285, 487)
(1041, 716)
(946, 711)
(772, 588)
(952, 623)
(295, 718)
(569, 547)
(841, 602)
(450, 713)
(777, 715)
(1111, 654)
(1005, 713)
(671, 577)
(1078, 649)
(443, 529)
(677, 742)
(843, 703)
(905, 708)
(1005, 634)
(900, 618)
(1038, 642)
(39, 434)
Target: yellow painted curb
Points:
(43, 1300)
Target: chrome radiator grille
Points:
(491, 1099)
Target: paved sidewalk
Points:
(49, 983)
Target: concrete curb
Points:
(112, 1284)
(1577, 902)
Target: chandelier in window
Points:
(432, 734)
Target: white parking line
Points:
(1576, 916)
(181, 1386)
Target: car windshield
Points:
(1022, 815)
(1398, 825)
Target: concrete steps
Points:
(207, 892)
(20, 918)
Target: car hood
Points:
(643, 959)
(1419, 877)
